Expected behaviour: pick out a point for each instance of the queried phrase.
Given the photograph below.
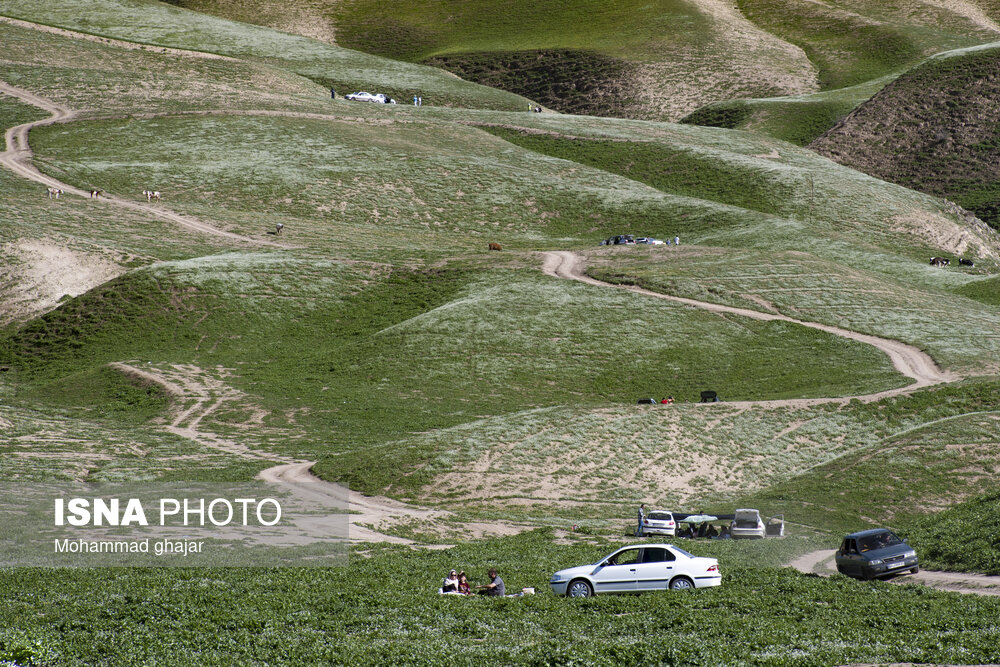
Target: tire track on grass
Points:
(187, 383)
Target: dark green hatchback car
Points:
(875, 553)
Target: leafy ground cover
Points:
(964, 537)
(379, 610)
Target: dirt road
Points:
(821, 563)
(17, 157)
(907, 359)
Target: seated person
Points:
(703, 529)
(495, 587)
(463, 584)
(450, 584)
(724, 533)
(711, 533)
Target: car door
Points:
(850, 560)
(618, 573)
(655, 569)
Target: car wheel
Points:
(914, 569)
(681, 584)
(579, 589)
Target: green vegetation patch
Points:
(985, 291)
(384, 608)
(931, 450)
(795, 120)
(669, 168)
(910, 301)
(851, 44)
(963, 538)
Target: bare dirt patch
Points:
(39, 273)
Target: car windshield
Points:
(659, 516)
(878, 541)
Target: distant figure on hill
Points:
(278, 227)
(640, 529)
(677, 240)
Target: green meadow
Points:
(378, 336)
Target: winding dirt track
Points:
(907, 359)
(370, 510)
(821, 563)
(17, 157)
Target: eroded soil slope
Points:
(935, 129)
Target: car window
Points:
(878, 541)
(682, 552)
(660, 516)
(657, 555)
(626, 557)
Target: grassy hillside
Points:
(633, 59)
(934, 129)
(963, 537)
(851, 42)
(378, 335)
(156, 23)
(798, 119)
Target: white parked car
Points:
(747, 523)
(649, 241)
(636, 568)
(659, 522)
(367, 97)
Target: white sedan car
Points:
(367, 97)
(636, 568)
(659, 522)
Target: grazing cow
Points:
(278, 227)
(150, 195)
(940, 261)
(495, 246)
(54, 193)
(966, 262)
(95, 194)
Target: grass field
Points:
(378, 336)
(359, 615)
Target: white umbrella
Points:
(700, 518)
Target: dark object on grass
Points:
(966, 262)
(646, 401)
(709, 397)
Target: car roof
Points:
(866, 533)
(646, 546)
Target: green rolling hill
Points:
(378, 335)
